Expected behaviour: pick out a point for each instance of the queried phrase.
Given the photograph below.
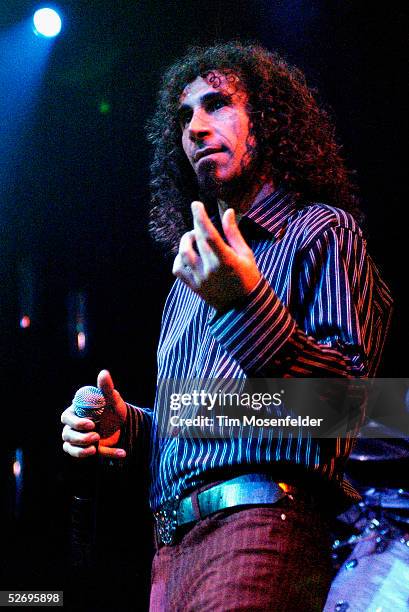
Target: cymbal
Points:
(377, 442)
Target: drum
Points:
(374, 578)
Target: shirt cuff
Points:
(255, 329)
(136, 427)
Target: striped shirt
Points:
(320, 309)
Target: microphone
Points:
(88, 402)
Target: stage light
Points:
(18, 473)
(17, 469)
(104, 107)
(47, 22)
(25, 322)
(78, 323)
(81, 341)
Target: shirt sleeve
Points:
(135, 435)
(336, 321)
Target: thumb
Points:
(233, 234)
(112, 396)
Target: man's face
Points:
(215, 127)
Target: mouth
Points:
(206, 152)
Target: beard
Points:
(233, 191)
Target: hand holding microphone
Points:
(103, 408)
(92, 428)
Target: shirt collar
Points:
(272, 212)
(267, 218)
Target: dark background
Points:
(73, 219)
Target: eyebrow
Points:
(211, 95)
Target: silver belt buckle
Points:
(166, 521)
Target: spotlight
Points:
(47, 22)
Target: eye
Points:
(217, 103)
(184, 117)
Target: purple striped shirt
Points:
(320, 309)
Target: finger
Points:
(208, 238)
(183, 272)
(112, 396)
(187, 251)
(233, 234)
(112, 453)
(68, 417)
(106, 384)
(78, 452)
(77, 438)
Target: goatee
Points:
(209, 186)
(212, 189)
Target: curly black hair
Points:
(295, 136)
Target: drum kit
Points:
(371, 546)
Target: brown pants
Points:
(255, 559)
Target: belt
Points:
(245, 490)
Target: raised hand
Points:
(220, 273)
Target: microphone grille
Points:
(89, 403)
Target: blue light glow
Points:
(47, 22)
(18, 473)
(23, 60)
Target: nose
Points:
(199, 126)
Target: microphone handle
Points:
(84, 512)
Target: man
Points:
(270, 283)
